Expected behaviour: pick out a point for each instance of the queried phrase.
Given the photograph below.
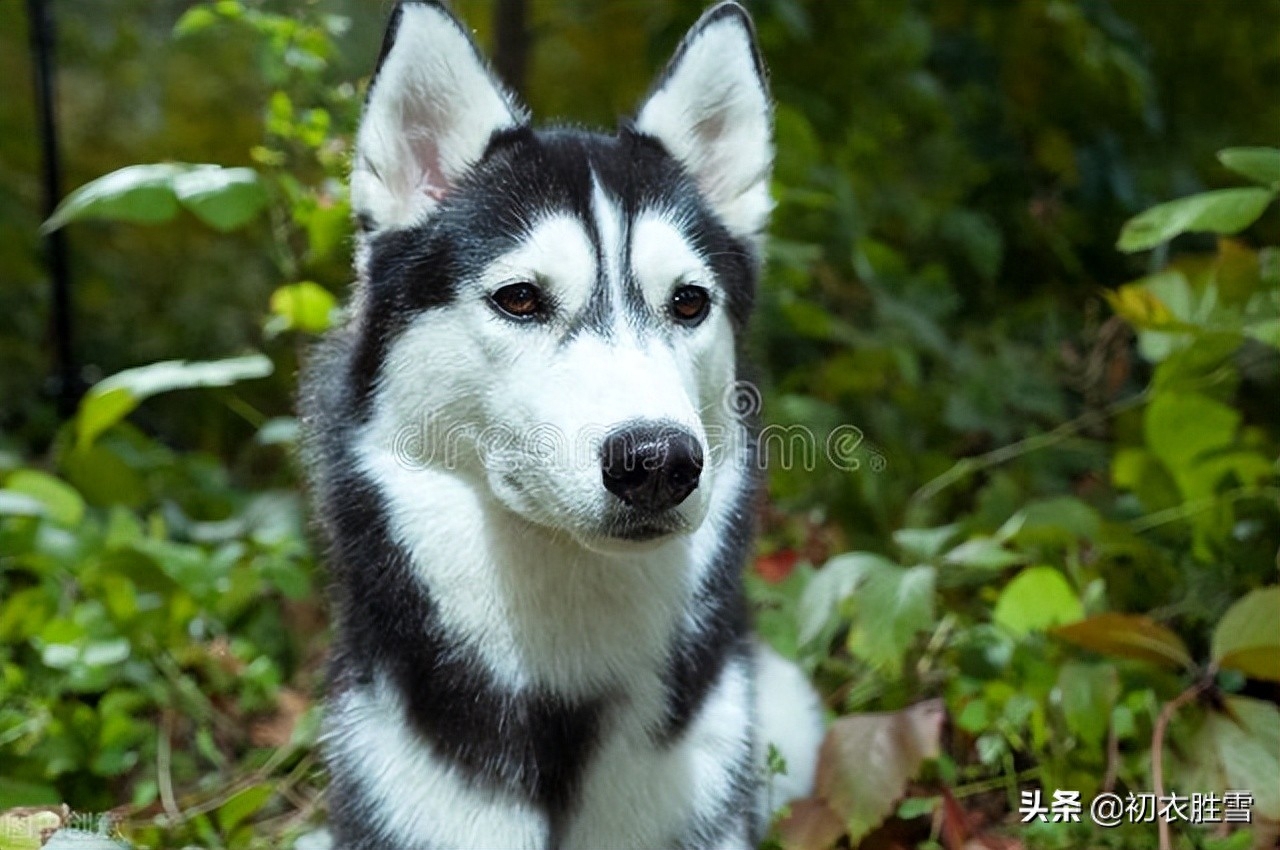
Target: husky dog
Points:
(529, 465)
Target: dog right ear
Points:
(431, 109)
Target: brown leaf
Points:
(866, 761)
(276, 730)
(1127, 636)
(954, 827)
(811, 825)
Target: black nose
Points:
(651, 466)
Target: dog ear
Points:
(432, 107)
(710, 109)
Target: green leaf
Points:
(278, 431)
(136, 193)
(194, 20)
(61, 502)
(1220, 211)
(103, 476)
(1088, 693)
(1128, 636)
(1248, 636)
(1059, 521)
(104, 653)
(1261, 165)
(20, 504)
(113, 398)
(896, 743)
(1182, 429)
(16, 792)
(924, 544)
(983, 553)
(1036, 599)
(223, 198)
(102, 407)
(829, 587)
(1237, 750)
(1265, 331)
(243, 805)
(893, 606)
(305, 306)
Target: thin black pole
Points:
(42, 60)
(511, 42)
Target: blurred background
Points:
(1045, 552)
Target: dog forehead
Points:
(557, 251)
(595, 213)
(663, 254)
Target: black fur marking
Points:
(388, 41)
(526, 174)
(698, 656)
(711, 829)
(533, 744)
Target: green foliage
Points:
(1246, 639)
(1223, 211)
(223, 198)
(1191, 467)
(144, 646)
(111, 400)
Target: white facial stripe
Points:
(610, 227)
(661, 256)
(558, 255)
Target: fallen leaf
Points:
(866, 761)
(811, 825)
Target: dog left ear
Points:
(710, 109)
(430, 112)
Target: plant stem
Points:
(1157, 749)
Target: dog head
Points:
(555, 313)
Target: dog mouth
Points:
(645, 528)
(643, 532)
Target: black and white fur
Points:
(524, 659)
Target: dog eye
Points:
(690, 304)
(519, 300)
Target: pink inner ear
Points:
(434, 192)
(431, 180)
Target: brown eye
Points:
(519, 300)
(690, 304)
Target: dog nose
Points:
(653, 467)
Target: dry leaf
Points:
(867, 760)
